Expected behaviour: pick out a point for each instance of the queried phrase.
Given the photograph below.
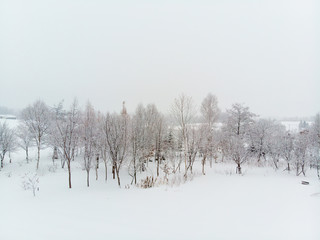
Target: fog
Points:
(261, 53)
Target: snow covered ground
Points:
(261, 204)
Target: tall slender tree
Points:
(37, 117)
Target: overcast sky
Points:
(261, 53)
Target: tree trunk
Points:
(96, 172)
(203, 163)
(27, 154)
(118, 177)
(303, 170)
(38, 157)
(134, 171)
(63, 162)
(275, 161)
(158, 166)
(2, 157)
(87, 178)
(106, 168)
(113, 171)
(238, 170)
(69, 172)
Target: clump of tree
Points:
(147, 142)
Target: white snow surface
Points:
(260, 204)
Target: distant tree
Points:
(7, 141)
(259, 133)
(88, 137)
(102, 141)
(37, 118)
(273, 143)
(236, 132)
(137, 142)
(117, 139)
(315, 142)
(25, 139)
(160, 130)
(239, 119)
(151, 125)
(66, 133)
(300, 150)
(195, 141)
(287, 148)
(303, 125)
(183, 112)
(237, 151)
(210, 112)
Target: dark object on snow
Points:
(304, 183)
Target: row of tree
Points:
(171, 142)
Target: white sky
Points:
(262, 53)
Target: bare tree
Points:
(25, 139)
(300, 150)
(137, 142)
(236, 150)
(117, 139)
(195, 140)
(210, 112)
(88, 137)
(66, 134)
(315, 143)
(239, 119)
(287, 148)
(102, 141)
(159, 137)
(31, 182)
(183, 112)
(37, 118)
(236, 129)
(7, 141)
(273, 143)
(259, 132)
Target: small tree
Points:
(315, 142)
(236, 132)
(210, 112)
(31, 182)
(183, 112)
(300, 150)
(25, 139)
(88, 137)
(7, 141)
(117, 139)
(66, 134)
(287, 148)
(237, 151)
(37, 118)
(273, 143)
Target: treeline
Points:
(172, 142)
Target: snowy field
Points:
(260, 204)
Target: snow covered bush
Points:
(31, 182)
